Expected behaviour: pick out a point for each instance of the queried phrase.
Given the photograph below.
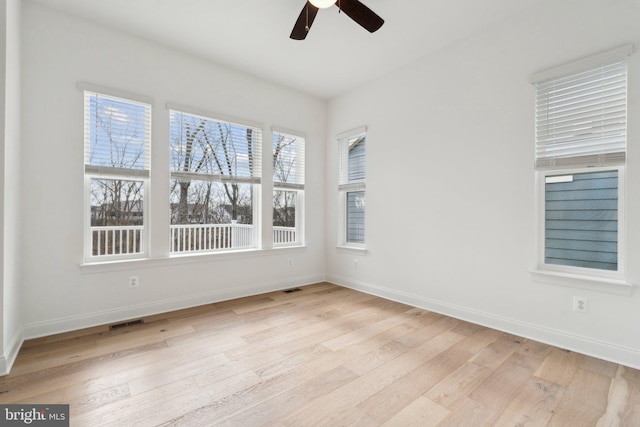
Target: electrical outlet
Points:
(355, 263)
(580, 304)
(134, 281)
(290, 262)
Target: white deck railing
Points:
(210, 237)
(284, 235)
(116, 240)
(120, 240)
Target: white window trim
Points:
(581, 64)
(579, 277)
(99, 259)
(299, 218)
(257, 183)
(116, 93)
(584, 278)
(343, 189)
(126, 174)
(342, 229)
(298, 188)
(108, 266)
(194, 111)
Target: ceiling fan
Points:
(355, 10)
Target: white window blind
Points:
(288, 161)
(206, 148)
(117, 135)
(581, 116)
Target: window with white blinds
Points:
(288, 160)
(288, 187)
(117, 135)
(117, 139)
(215, 149)
(352, 184)
(215, 166)
(581, 112)
(581, 143)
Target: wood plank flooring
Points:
(321, 356)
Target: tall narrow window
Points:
(352, 186)
(288, 188)
(215, 177)
(581, 120)
(117, 135)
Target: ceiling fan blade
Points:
(360, 13)
(303, 24)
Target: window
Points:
(581, 120)
(215, 177)
(351, 186)
(117, 139)
(288, 188)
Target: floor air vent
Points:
(125, 324)
(288, 291)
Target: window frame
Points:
(345, 187)
(109, 173)
(573, 271)
(255, 181)
(298, 187)
(580, 161)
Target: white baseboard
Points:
(66, 324)
(580, 344)
(7, 360)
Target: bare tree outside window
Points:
(284, 202)
(213, 171)
(288, 182)
(116, 144)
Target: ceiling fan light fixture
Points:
(354, 9)
(323, 4)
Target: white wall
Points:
(11, 330)
(450, 183)
(58, 52)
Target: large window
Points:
(117, 136)
(581, 112)
(352, 186)
(288, 188)
(215, 177)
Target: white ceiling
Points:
(338, 55)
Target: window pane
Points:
(581, 220)
(210, 215)
(355, 216)
(357, 160)
(284, 216)
(201, 145)
(117, 216)
(288, 158)
(117, 132)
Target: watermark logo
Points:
(34, 415)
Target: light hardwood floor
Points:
(324, 355)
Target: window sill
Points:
(602, 284)
(191, 258)
(357, 250)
